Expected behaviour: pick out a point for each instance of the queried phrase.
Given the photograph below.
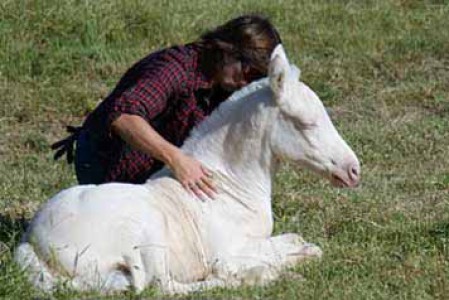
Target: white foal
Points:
(116, 236)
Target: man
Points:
(140, 126)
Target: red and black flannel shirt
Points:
(168, 90)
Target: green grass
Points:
(381, 66)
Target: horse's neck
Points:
(232, 142)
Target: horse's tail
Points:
(36, 269)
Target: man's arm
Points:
(135, 131)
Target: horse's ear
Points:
(278, 72)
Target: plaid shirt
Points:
(168, 90)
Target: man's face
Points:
(230, 77)
(234, 75)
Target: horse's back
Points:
(91, 230)
(83, 211)
(87, 229)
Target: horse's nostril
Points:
(354, 172)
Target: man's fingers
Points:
(206, 189)
(207, 172)
(202, 184)
(193, 188)
(200, 189)
(209, 184)
(208, 178)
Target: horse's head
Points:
(303, 130)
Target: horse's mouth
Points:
(342, 182)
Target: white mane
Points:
(224, 111)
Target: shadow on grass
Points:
(440, 237)
(11, 229)
(426, 239)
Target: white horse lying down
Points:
(115, 236)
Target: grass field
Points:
(382, 67)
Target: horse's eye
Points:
(307, 125)
(301, 124)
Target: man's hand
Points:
(193, 175)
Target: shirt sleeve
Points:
(161, 81)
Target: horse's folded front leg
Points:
(263, 260)
(290, 249)
(238, 270)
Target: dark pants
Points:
(88, 167)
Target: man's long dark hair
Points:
(249, 38)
